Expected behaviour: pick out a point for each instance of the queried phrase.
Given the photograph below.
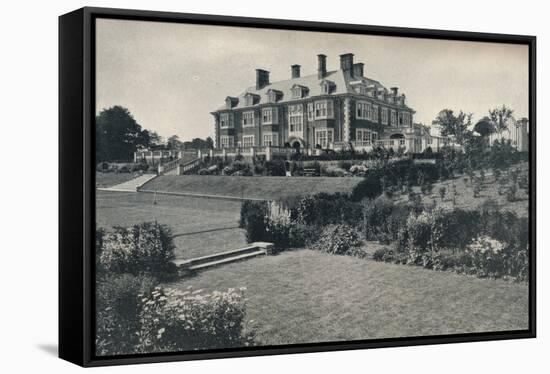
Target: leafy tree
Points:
(453, 125)
(501, 118)
(155, 140)
(174, 142)
(484, 127)
(118, 135)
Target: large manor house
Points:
(337, 109)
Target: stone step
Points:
(227, 260)
(217, 256)
(252, 250)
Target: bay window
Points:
(226, 141)
(248, 119)
(248, 141)
(270, 139)
(295, 117)
(324, 138)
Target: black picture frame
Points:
(77, 192)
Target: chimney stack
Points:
(321, 66)
(346, 63)
(262, 78)
(394, 90)
(295, 71)
(358, 70)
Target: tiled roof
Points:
(312, 82)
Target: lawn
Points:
(103, 180)
(252, 187)
(200, 226)
(305, 296)
(465, 197)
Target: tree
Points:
(174, 142)
(501, 119)
(118, 135)
(453, 125)
(485, 127)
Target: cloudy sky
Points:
(171, 76)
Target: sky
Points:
(171, 76)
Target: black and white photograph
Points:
(260, 187)
(250, 187)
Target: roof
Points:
(342, 82)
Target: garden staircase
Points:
(206, 262)
(130, 186)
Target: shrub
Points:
(332, 171)
(523, 182)
(337, 239)
(253, 220)
(442, 192)
(345, 165)
(174, 320)
(204, 171)
(275, 168)
(511, 193)
(370, 187)
(117, 312)
(144, 248)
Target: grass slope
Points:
(103, 180)
(254, 187)
(200, 226)
(465, 196)
(306, 296)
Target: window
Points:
(248, 119)
(271, 139)
(364, 110)
(324, 109)
(273, 95)
(269, 116)
(295, 117)
(375, 113)
(310, 112)
(384, 114)
(363, 136)
(393, 118)
(298, 92)
(225, 120)
(248, 141)
(323, 138)
(374, 136)
(226, 141)
(402, 142)
(405, 119)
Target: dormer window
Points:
(298, 91)
(274, 95)
(327, 87)
(251, 99)
(231, 102)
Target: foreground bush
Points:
(117, 311)
(144, 248)
(171, 320)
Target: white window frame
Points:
(384, 115)
(363, 110)
(295, 118)
(227, 141)
(402, 142)
(310, 111)
(270, 139)
(248, 141)
(269, 116)
(374, 136)
(326, 140)
(225, 120)
(393, 118)
(248, 119)
(323, 109)
(363, 136)
(374, 113)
